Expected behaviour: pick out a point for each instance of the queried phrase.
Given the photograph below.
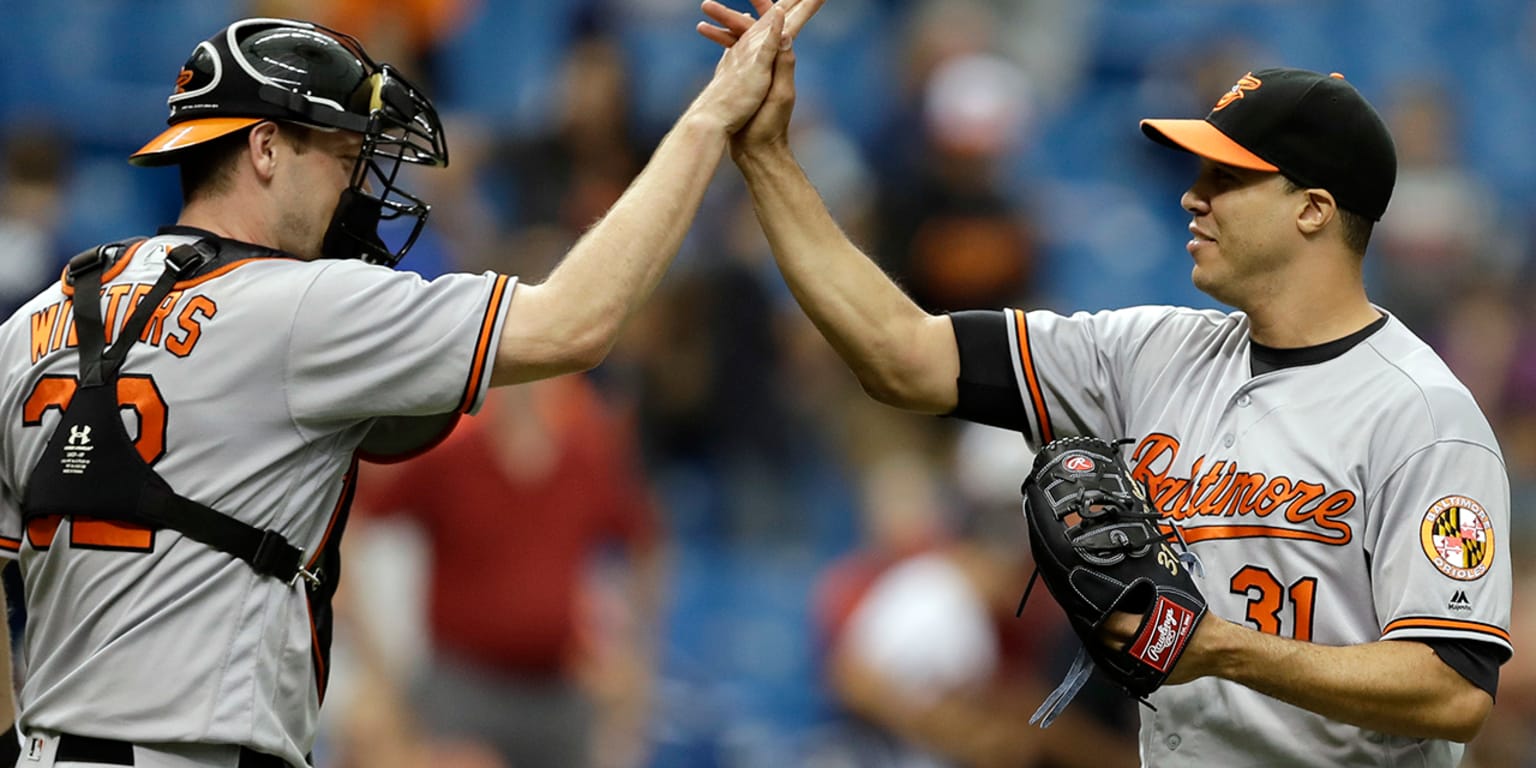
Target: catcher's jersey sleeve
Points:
(369, 341)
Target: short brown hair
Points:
(1357, 228)
(207, 168)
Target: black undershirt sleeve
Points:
(988, 391)
(1477, 661)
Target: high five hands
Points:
(769, 126)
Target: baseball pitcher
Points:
(1344, 494)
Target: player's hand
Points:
(745, 71)
(770, 126)
(730, 25)
(1120, 629)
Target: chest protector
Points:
(90, 467)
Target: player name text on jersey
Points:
(53, 327)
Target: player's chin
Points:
(1206, 278)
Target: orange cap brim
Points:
(1205, 140)
(163, 148)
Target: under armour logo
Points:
(80, 434)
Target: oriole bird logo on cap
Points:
(1247, 83)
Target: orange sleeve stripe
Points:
(1430, 623)
(1031, 380)
(483, 344)
(10, 545)
(1218, 532)
(112, 271)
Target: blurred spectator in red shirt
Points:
(537, 648)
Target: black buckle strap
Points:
(96, 259)
(187, 259)
(266, 551)
(276, 557)
(85, 274)
(96, 366)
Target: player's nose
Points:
(1192, 202)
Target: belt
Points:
(89, 749)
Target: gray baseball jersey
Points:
(250, 390)
(1357, 499)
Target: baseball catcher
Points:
(1098, 547)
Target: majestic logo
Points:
(80, 434)
(1232, 504)
(1247, 83)
(1457, 536)
(1459, 601)
(1164, 634)
(1078, 463)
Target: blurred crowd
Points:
(714, 550)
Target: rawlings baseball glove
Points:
(1098, 548)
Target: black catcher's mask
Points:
(298, 72)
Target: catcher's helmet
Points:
(299, 72)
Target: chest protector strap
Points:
(90, 467)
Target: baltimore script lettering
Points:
(1220, 490)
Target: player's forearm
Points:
(571, 320)
(902, 355)
(1396, 687)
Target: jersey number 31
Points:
(1267, 598)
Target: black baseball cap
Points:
(1314, 128)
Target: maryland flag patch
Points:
(1457, 536)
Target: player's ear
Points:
(1318, 209)
(261, 149)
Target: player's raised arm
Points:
(902, 355)
(571, 320)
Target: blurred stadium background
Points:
(985, 151)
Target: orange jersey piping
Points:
(1424, 622)
(483, 344)
(1032, 381)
